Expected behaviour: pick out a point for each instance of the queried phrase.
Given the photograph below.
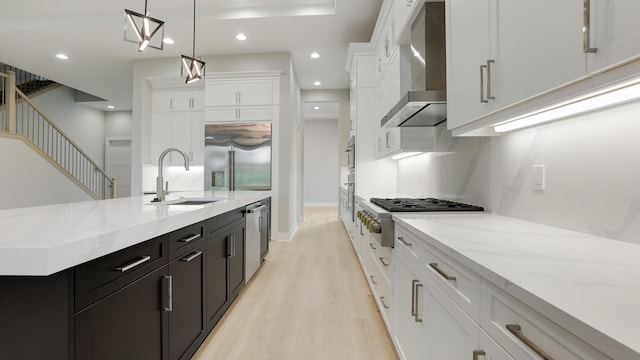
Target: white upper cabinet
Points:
(182, 130)
(468, 50)
(498, 53)
(503, 60)
(172, 100)
(614, 32)
(241, 92)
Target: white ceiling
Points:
(101, 62)
(321, 110)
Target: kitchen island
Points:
(120, 278)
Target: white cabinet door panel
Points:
(221, 93)
(615, 32)
(255, 92)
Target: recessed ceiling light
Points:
(62, 56)
(111, 107)
(317, 83)
(316, 108)
(168, 41)
(241, 37)
(315, 55)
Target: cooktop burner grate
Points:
(424, 204)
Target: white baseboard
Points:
(287, 236)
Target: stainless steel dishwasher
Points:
(252, 242)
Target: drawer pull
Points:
(444, 275)
(372, 280)
(133, 264)
(417, 318)
(516, 330)
(383, 262)
(477, 354)
(401, 239)
(384, 305)
(372, 247)
(192, 256)
(413, 297)
(190, 238)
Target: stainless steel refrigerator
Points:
(237, 156)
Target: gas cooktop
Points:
(422, 205)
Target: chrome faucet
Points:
(159, 180)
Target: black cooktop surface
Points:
(425, 204)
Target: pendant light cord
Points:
(194, 29)
(145, 7)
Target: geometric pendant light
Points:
(143, 27)
(194, 68)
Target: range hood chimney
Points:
(426, 103)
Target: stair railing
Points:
(23, 117)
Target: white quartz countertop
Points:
(587, 284)
(43, 240)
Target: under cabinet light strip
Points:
(615, 95)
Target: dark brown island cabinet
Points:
(155, 300)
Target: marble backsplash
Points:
(592, 175)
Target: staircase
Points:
(18, 115)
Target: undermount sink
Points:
(186, 201)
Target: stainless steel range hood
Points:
(426, 103)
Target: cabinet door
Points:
(236, 259)
(161, 134)
(187, 318)
(449, 332)
(468, 48)
(162, 100)
(217, 275)
(408, 330)
(255, 92)
(615, 32)
(531, 58)
(182, 100)
(222, 114)
(181, 137)
(221, 93)
(128, 324)
(255, 113)
(197, 138)
(197, 100)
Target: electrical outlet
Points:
(538, 178)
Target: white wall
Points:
(30, 180)
(592, 173)
(321, 157)
(83, 124)
(117, 123)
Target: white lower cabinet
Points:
(489, 349)
(428, 324)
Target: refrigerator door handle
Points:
(232, 170)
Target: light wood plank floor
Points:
(309, 300)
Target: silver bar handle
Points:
(372, 280)
(167, 282)
(478, 353)
(387, 139)
(171, 104)
(229, 246)
(441, 272)
(233, 249)
(384, 305)
(586, 29)
(372, 247)
(516, 330)
(416, 316)
(255, 209)
(190, 238)
(192, 256)
(413, 297)
(482, 99)
(133, 264)
(260, 223)
(489, 95)
(401, 239)
(383, 262)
